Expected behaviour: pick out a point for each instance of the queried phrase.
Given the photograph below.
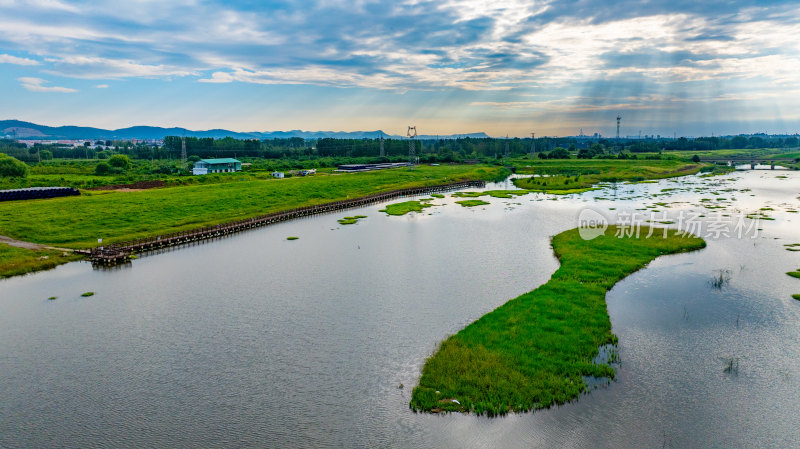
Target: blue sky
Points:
(502, 67)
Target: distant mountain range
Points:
(25, 130)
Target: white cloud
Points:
(36, 85)
(51, 5)
(105, 68)
(463, 44)
(8, 59)
(101, 86)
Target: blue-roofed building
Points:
(225, 165)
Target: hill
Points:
(26, 130)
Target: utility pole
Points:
(508, 151)
(183, 151)
(412, 155)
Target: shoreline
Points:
(533, 351)
(150, 240)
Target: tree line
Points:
(442, 150)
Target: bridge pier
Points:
(752, 165)
(772, 165)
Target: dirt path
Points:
(29, 245)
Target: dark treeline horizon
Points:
(444, 150)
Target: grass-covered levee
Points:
(533, 351)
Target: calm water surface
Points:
(255, 341)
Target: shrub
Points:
(120, 161)
(102, 169)
(559, 153)
(12, 167)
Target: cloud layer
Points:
(571, 58)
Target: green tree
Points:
(120, 161)
(12, 167)
(559, 153)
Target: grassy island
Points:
(532, 351)
(351, 220)
(472, 203)
(405, 207)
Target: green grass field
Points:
(733, 153)
(77, 222)
(575, 174)
(16, 261)
(532, 351)
(609, 169)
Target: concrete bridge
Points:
(752, 161)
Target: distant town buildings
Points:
(89, 143)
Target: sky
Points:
(504, 67)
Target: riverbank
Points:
(119, 216)
(576, 174)
(533, 351)
(16, 261)
(114, 216)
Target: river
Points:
(256, 341)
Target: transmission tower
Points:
(412, 154)
(533, 144)
(508, 151)
(383, 152)
(619, 119)
(183, 151)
